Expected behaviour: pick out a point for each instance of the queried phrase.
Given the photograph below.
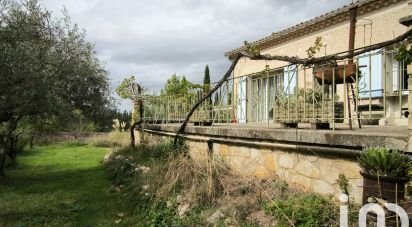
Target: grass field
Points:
(61, 185)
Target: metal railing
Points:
(370, 89)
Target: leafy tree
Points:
(81, 124)
(47, 70)
(177, 85)
(183, 91)
(404, 54)
(34, 127)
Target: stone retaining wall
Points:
(308, 171)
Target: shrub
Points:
(303, 210)
(159, 214)
(165, 150)
(112, 139)
(384, 162)
(175, 179)
(202, 182)
(121, 169)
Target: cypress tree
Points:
(206, 89)
(206, 84)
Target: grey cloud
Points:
(153, 39)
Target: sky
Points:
(153, 39)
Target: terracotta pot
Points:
(392, 189)
(341, 71)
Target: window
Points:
(241, 97)
(396, 75)
(278, 79)
(260, 97)
(289, 79)
(399, 76)
(370, 77)
(266, 86)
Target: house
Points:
(368, 89)
(378, 92)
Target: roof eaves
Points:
(302, 25)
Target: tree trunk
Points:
(31, 141)
(138, 107)
(2, 156)
(132, 137)
(2, 162)
(12, 147)
(11, 140)
(135, 111)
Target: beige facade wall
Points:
(371, 28)
(309, 172)
(385, 26)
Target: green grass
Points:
(61, 185)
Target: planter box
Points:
(348, 72)
(309, 113)
(391, 189)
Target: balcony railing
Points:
(370, 89)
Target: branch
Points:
(219, 84)
(328, 58)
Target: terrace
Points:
(368, 96)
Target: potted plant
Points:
(385, 173)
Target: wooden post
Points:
(352, 33)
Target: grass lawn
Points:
(61, 185)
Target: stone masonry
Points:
(309, 172)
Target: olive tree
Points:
(47, 69)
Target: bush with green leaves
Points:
(385, 162)
(165, 149)
(121, 169)
(159, 214)
(404, 54)
(123, 162)
(303, 210)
